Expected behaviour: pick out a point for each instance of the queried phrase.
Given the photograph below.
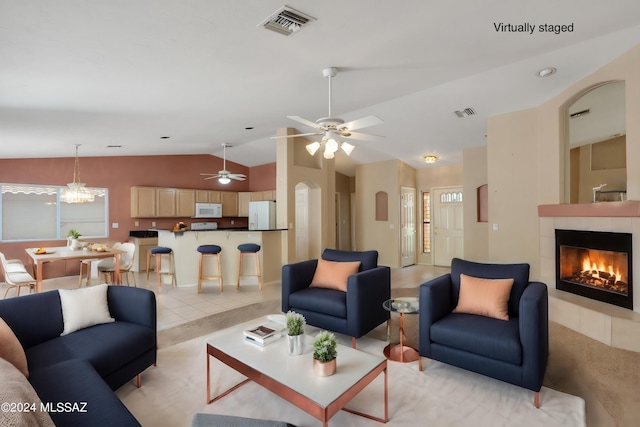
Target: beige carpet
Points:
(441, 395)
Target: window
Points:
(34, 212)
(426, 222)
(455, 197)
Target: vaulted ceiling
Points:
(128, 73)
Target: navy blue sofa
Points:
(352, 313)
(89, 364)
(514, 351)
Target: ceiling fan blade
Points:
(212, 176)
(362, 123)
(237, 176)
(363, 136)
(208, 174)
(297, 135)
(305, 122)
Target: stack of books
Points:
(265, 334)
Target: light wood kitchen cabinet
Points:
(259, 196)
(166, 202)
(158, 202)
(229, 203)
(208, 196)
(243, 203)
(185, 202)
(143, 202)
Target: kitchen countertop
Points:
(185, 245)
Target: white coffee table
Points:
(292, 377)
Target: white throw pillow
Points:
(85, 307)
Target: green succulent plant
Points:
(325, 347)
(295, 323)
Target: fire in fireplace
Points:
(595, 265)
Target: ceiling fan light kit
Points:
(224, 176)
(313, 147)
(334, 129)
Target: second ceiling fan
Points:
(224, 176)
(332, 128)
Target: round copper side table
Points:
(400, 352)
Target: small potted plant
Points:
(72, 239)
(324, 354)
(295, 331)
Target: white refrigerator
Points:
(262, 215)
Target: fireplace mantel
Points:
(630, 208)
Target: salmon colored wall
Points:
(263, 177)
(118, 174)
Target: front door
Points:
(408, 225)
(448, 230)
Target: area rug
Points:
(440, 395)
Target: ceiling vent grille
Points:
(465, 113)
(286, 20)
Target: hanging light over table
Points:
(76, 191)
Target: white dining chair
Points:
(107, 267)
(16, 275)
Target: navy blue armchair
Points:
(354, 312)
(514, 350)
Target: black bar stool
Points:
(158, 253)
(249, 249)
(209, 250)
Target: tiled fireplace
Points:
(587, 295)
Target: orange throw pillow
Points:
(485, 297)
(11, 350)
(333, 274)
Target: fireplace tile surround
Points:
(609, 324)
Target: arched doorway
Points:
(308, 230)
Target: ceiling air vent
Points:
(286, 20)
(466, 112)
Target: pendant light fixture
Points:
(76, 192)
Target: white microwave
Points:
(208, 210)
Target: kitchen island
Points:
(185, 243)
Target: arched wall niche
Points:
(382, 206)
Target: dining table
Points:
(63, 253)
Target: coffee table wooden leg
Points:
(208, 378)
(386, 395)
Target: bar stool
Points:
(248, 249)
(158, 252)
(209, 250)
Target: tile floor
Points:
(177, 305)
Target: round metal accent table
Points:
(400, 352)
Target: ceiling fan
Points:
(224, 176)
(333, 128)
